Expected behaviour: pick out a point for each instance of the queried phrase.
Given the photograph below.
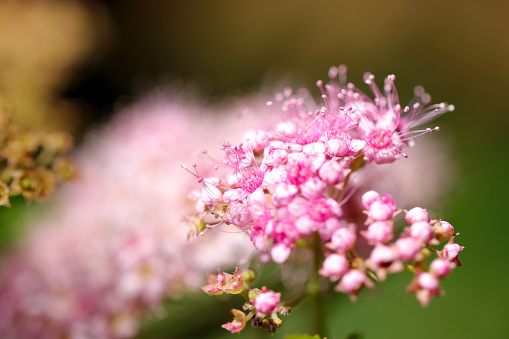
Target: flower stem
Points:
(315, 290)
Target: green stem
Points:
(315, 291)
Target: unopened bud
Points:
(443, 230)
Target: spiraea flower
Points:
(307, 160)
(291, 185)
(113, 247)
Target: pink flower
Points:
(334, 266)
(441, 268)
(408, 248)
(112, 247)
(379, 232)
(416, 214)
(266, 302)
(421, 231)
(343, 239)
(383, 123)
(331, 173)
(428, 281)
(451, 252)
(238, 323)
(280, 253)
(352, 282)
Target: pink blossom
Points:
(352, 281)
(369, 198)
(408, 248)
(380, 211)
(428, 281)
(280, 253)
(334, 266)
(331, 173)
(451, 251)
(343, 239)
(416, 214)
(421, 231)
(384, 260)
(384, 124)
(441, 268)
(111, 249)
(313, 188)
(284, 194)
(379, 232)
(266, 302)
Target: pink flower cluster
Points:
(112, 248)
(386, 256)
(284, 183)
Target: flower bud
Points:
(280, 253)
(428, 281)
(313, 148)
(313, 188)
(334, 266)
(451, 251)
(383, 256)
(337, 147)
(379, 232)
(369, 198)
(443, 230)
(352, 282)
(331, 173)
(416, 214)
(380, 211)
(441, 268)
(327, 228)
(421, 231)
(408, 248)
(239, 215)
(257, 139)
(266, 302)
(343, 239)
(305, 225)
(283, 194)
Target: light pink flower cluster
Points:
(290, 185)
(113, 247)
(386, 256)
(285, 183)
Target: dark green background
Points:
(458, 50)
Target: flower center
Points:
(379, 138)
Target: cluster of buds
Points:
(386, 256)
(31, 162)
(262, 305)
(289, 185)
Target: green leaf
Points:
(303, 336)
(355, 335)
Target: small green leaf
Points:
(303, 336)
(355, 335)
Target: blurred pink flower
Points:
(113, 246)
